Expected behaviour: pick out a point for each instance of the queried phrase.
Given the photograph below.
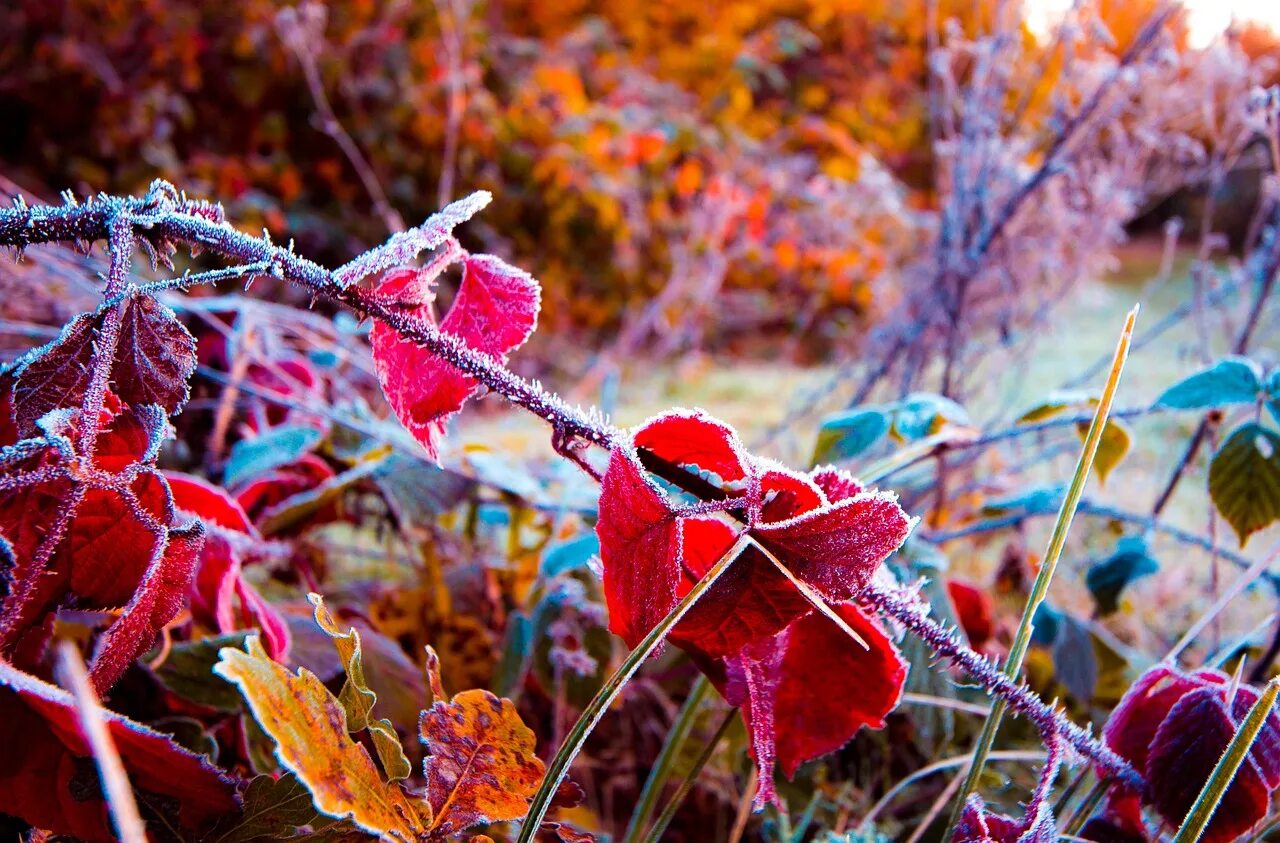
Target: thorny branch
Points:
(164, 217)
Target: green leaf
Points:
(188, 672)
(273, 809)
(1244, 479)
(278, 446)
(356, 697)
(1108, 578)
(922, 413)
(848, 434)
(1232, 380)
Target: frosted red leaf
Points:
(1185, 750)
(120, 545)
(494, 312)
(1134, 721)
(49, 778)
(978, 825)
(643, 538)
(754, 632)
(693, 438)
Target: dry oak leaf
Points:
(480, 764)
(309, 726)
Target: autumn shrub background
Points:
(894, 239)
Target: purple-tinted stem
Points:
(162, 215)
(1051, 723)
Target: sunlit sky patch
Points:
(1206, 18)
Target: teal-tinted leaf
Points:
(1108, 578)
(513, 664)
(920, 414)
(1272, 388)
(1244, 479)
(1038, 499)
(1074, 661)
(188, 672)
(848, 434)
(570, 555)
(274, 448)
(1232, 380)
(1045, 625)
(419, 491)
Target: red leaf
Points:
(978, 825)
(836, 483)
(49, 779)
(1134, 721)
(219, 582)
(155, 356)
(837, 549)
(693, 438)
(807, 691)
(831, 687)
(54, 376)
(159, 597)
(974, 610)
(494, 312)
(751, 600)
(640, 542)
(1120, 820)
(1185, 750)
(211, 504)
(751, 681)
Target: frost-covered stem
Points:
(160, 216)
(120, 249)
(1050, 722)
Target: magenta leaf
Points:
(494, 312)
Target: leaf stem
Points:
(595, 709)
(1057, 540)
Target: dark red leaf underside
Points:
(155, 357)
(56, 375)
(1184, 752)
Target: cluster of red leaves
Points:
(219, 584)
(1174, 727)
(755, 633)
(90, 521)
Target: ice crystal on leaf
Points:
(755, 633)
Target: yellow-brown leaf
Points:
(309, 727)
